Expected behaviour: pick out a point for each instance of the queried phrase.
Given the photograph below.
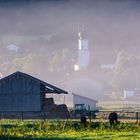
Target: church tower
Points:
(83, 51)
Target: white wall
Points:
(86, 102)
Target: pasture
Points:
(70, 130)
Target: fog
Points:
(46, 33)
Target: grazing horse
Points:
(83, 120)
(113, 118)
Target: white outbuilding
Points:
(75, 101)
(87, 103)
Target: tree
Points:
(125, 73)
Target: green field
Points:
(58, 130)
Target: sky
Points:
(108, 23)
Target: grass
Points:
(54, 130)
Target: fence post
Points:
(44, 116)
(21, 116)
(90, 116)
(137, 117)
(65, 123)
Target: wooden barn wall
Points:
(19, 94)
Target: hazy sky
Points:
(109, 23)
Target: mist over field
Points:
(45, 34)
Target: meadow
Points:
(72, 130)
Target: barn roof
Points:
(48, 87)
(84, 97)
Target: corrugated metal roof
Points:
(48, 87)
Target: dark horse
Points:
(113, 118)
(83, 120)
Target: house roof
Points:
(84, 97)
(48, 87)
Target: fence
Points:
(33, 115)
(122, 115)
(101, 115)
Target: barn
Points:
(20, 92)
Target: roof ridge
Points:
(57, 90)
(84, 97)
